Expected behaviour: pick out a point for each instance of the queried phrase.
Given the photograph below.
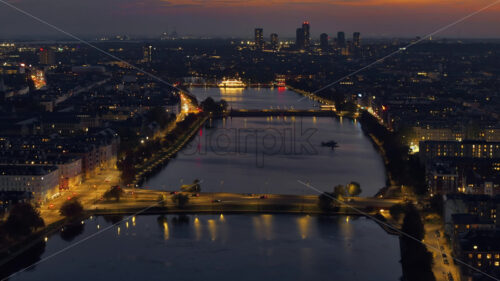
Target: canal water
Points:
(247, 155)
(215, 247)
(270, 154)
(256, 98)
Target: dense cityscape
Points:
(87, 128)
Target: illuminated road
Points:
(138, 199)
(87, 193)
(443, 266)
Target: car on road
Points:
(173, 192)
(195, 195)
(450, 276)
(216, 201)
(51, 206)
(264, 197)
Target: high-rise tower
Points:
(299, 40)
(323, 41)
(341, 39)
(306, 28)
(356, 39)
(259, 38)
(274, 41)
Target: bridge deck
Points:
(280, 112)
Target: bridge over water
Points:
(140, 199)
(281, 112)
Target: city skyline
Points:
(254, 140)
(393, 18)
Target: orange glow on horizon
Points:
(268, 3)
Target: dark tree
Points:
(396, 211)
(23, 220)
(412, 223)
(325, 202)
(415, 259)
(339, 191)
(180, 200)
(71, 209)
(209, 105)
(115, 192)
(354, 188)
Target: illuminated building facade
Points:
(47, 56)
(259, 38)
(41, 181)
(274, 41)
(467, 149)
(306, 28)
(356, 39)
(147, 53)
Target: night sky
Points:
(224, 18)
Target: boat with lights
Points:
(232, 83)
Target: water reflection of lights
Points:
(221, 218)
(232, 98)
(263, 226)
(197, 228)
(304, 224)
(133, 221)
(225, 91)
(346, 228)
(165, 231)
(212, 229)
(126, 224)
(118, 230)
